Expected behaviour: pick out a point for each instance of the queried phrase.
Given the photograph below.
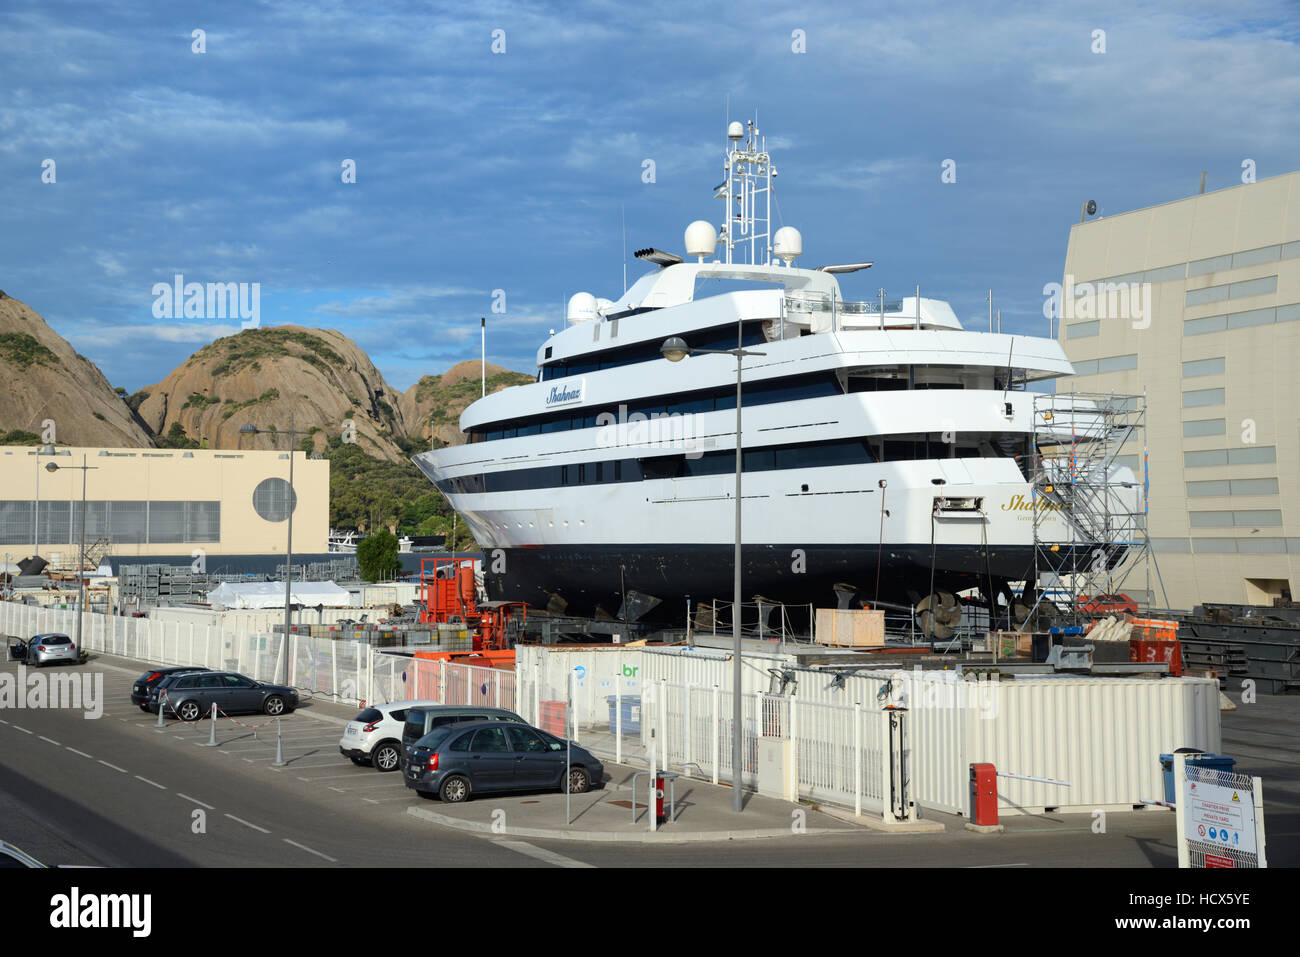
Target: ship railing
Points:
(807, 305)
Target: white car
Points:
(374, 736)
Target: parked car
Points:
(140, 690)
(374, 736)
(52, 649)
(423, 719)
(190, 695)
(458, 760)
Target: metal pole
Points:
(482, 333)
(36, 528)
(81, 567)
(1180, 811)
(288, 558)
(737, 744)
(857, 758)
(568, 754)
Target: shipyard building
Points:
(1196, 303)
(159, 502)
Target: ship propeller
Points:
(939, 614)
(1031, 614)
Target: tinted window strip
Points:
(764, 459)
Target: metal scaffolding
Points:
(1089, 510)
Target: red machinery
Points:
(448, 595)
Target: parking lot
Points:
(121, 791)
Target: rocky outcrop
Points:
(263, 376)
(431, 408)
(43, 380)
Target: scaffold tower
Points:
(1090, 505)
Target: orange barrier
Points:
(491, 659)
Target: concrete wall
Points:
(1239, 248)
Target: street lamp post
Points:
(675, 350)
(288, 548)
(81, 561)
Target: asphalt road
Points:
(118, 791)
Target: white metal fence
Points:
(343, 670)
(826, 753)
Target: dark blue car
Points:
(459, 760)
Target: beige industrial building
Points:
(159, 502)
(1199, 311)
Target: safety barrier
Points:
(339, 670)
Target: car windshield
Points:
(56, 640)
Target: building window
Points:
(1117, 363)
(1253, 455)
(1082, 330)
(272, 499)
(1199, 427)
(1200, 367)
(1200, 397)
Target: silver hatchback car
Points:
(51, 649)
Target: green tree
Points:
(377, 556)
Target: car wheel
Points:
(189, 711)
(454, 790)
(579, 781)
(274, 705)
(385, 757)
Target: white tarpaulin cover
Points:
(271, 595)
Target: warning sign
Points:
(1214, 860)
(1220, 815)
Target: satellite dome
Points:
(736, 130)
(582, 308)
(788, 244)
(701, 239)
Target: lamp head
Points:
(675, 349)
(51, 466)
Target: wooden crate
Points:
(1011, 644)
(850, 628)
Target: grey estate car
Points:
(191, 695)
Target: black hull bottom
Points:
(590, 580)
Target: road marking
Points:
(240, 820)
(3, 721)
(550, 857)
(113, 766)
(51, 740)
(370, 800)
(154, 783)
(186, 797)
(976, 867)
(23, 730)
(304, 847)
(82, 753)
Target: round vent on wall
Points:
(272, 499)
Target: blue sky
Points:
(478, 170)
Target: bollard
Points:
(279, 747)
(212, 732)
(162, 703)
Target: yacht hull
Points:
(589, 580)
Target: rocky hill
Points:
(261, 377)
(43, 378)
(431, 408)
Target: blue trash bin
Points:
(631, 708)
(1213, 762)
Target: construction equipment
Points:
(449, 595)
